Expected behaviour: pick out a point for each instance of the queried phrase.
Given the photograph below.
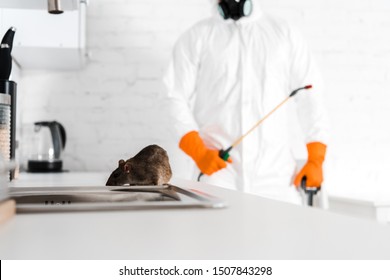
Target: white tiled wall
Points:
(110, 108)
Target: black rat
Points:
(149, 167)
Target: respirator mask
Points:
(235, 9)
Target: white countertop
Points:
(251, 227)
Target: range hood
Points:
(46, 41)
(66, 5)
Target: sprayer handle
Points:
(310, 191)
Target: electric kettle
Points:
(46, 142)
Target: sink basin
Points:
(59, 199)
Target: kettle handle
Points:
(61, 129)
(63, 134)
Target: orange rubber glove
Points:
(207, 160)
(313, 167)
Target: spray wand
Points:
(224, 154)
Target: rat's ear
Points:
(126, 167)
(121, 162)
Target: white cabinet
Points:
(47, 41)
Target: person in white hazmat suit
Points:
(226, 73)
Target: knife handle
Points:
(5, 63)
(8, 38)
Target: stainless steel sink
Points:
(59, 199)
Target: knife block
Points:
(8, 121)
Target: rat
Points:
(149, 167)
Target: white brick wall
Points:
(110, 109)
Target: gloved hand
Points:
(313, 167)
(207, 160)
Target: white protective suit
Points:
(224, 76)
